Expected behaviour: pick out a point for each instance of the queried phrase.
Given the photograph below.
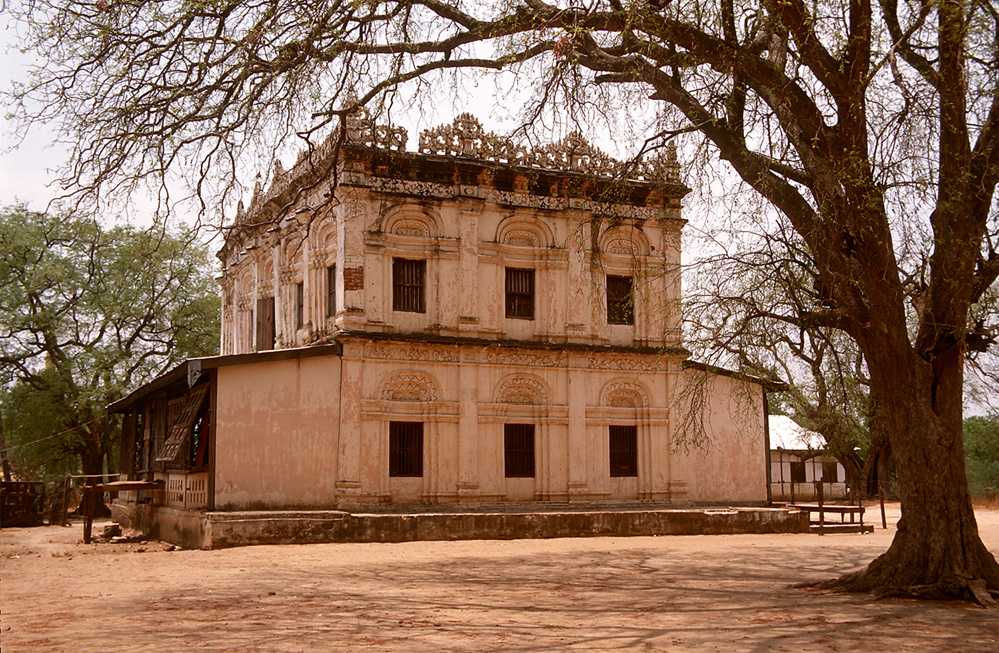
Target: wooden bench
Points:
(855, 524)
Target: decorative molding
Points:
(525, 358)
(521, 238)
(411, 227)
(647, 364)
(510, 198)
(621, 246)
(409, 352)
(624, 394)
(409, 386)
(522, 389)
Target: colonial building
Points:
(472, 323)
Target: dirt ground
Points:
(714, 593)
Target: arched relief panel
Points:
(324, 240)
(245, 286)
(412, 221)
(524, 231)
(292, 248)
(623, 393)
(625, 241)
(522, 389)
(409, 386)
(292, 253)
(265, 279)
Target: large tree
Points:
(747, 308)
(87, 313)
(854, 120)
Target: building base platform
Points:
(217, 530)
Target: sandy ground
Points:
(715, 593)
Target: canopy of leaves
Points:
(87, 313)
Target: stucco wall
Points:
(467, 243)
(314, 432)
(726, 459)
(276, 429)
(464, 396)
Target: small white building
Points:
(799, 464)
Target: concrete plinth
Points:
(216, 530)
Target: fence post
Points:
(881, 496)
(822, 512)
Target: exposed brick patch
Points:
(353, 278)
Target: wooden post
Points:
(822, 512)
(88, 512)
(881, 495)
(860, 504)
(67, 484)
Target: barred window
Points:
(624, 451)
(299, 305)
(520, 293)
(797, 471)
(519, 450)
(620, 300)
(830, 472)
(405, 448)
(331, 291)
(408, 285)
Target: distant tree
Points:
(87, 313)
(858, 122)
(981, 446)
(748, 308)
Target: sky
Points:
(24, 165)
(27, 166)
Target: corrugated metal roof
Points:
(786, 434)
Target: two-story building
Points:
(472, 323)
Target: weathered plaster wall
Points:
(464, 396)
(726, 463)
(276, 428)
(467, 243)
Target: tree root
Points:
(975, 590)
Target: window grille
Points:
(620, 300)
(830, 472)
(331, 291)
(519, 450)
(624, 451)
(797, 471)
(405, 449)
(520, 293)
(408, 285)
(299, 305)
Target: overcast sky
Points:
(23, 171)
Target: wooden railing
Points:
(187, 491)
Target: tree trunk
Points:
(876, 468)
(936, 552)
(854, 467)
(3, 454)
(92, 460)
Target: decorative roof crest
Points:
(465, 137)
